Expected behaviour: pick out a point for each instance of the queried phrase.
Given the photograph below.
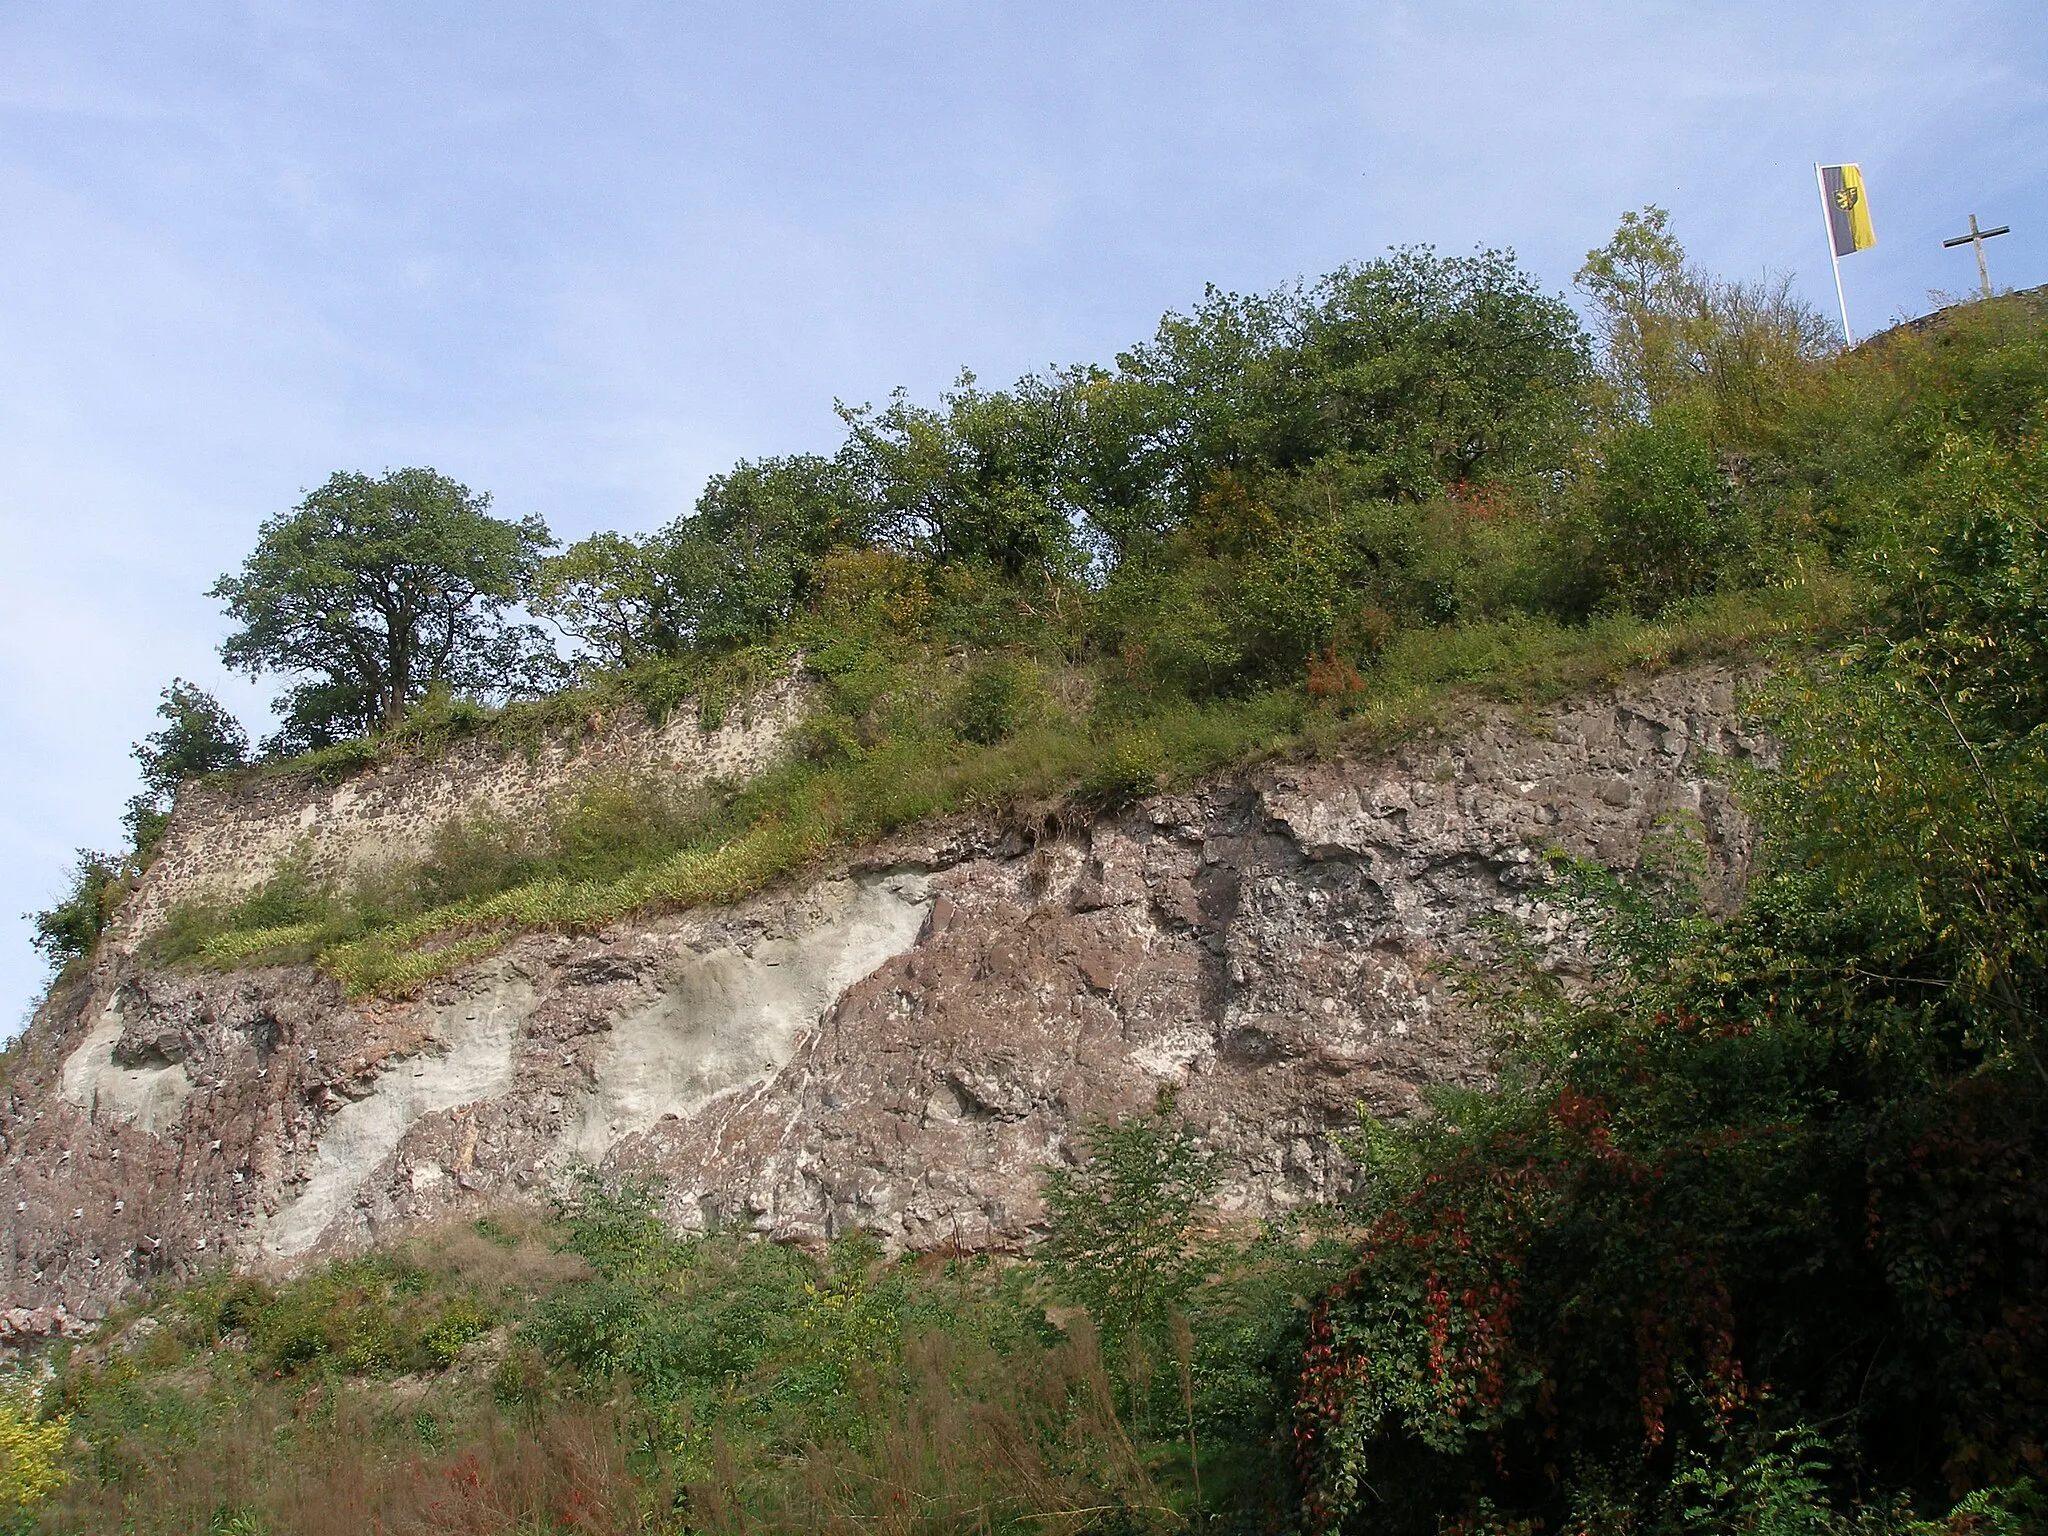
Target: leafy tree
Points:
(753, 544)
(1424, 370)
(979, 480)
(1116, 471)
(1665, 511)
(68, 931)
(1123, 1224)
(725, 576)
(1439, 370)
(1196, 400)
(1400, 377)
(378, 591)
(1670, 332)
(615, 596)
(1643, 296)
(198, 737)
(1760, 348)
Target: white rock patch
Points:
(477, 1035)
(730, 1018)
(151, 1097)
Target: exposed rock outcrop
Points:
(899, 1042)
(228, 837)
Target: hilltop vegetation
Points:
(1283, 522)
(1750, 1235)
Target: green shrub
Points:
(1666, 514)
(68, 931)
(1129, 770)
(329, 764)
(459, 1323)
(198, 737)
(1572, 1290)
(991, 704)
(1122, 1239)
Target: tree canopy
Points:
(375, 592)
(1675, 336)
(198, 737)
(1393, 381)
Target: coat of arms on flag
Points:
(1848, 209)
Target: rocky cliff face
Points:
(898, 1043)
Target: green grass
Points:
(598, 1373)
(882, 754)
(515, 1370)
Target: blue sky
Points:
(584, 256)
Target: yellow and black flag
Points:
(1848, 209)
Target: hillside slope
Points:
(896, 1042)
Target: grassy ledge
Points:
(387, 937)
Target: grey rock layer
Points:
(899, 1043)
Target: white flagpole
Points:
(1828, 221)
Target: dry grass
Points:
(326, 1468)
(963, 1437)
(507, 1251)
(965, 1441)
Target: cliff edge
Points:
(898, 1041)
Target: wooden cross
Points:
(1977, 237)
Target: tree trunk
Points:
(398, 687)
